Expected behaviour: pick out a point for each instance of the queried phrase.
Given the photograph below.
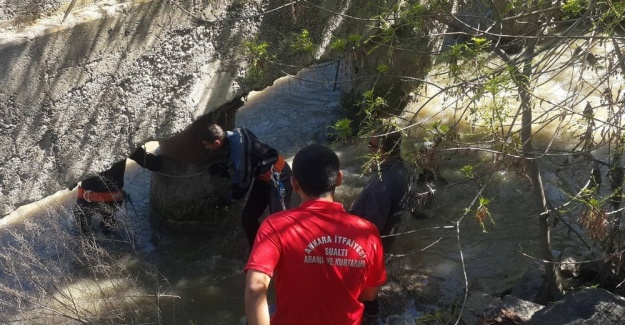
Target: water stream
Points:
(427, 264)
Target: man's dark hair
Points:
(390, 142)
(212, 133)
(316, 169)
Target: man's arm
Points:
(377, 271)
(147, 160)
(256, 306)
(369, 293)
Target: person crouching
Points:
(103, 193)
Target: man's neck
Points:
(304, 197)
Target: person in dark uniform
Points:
(383, 199)
(103, 193)
(257, 167)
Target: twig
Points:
(464, 270)
(417, 230)
(560, 262)
(68, 10)
(391, 256)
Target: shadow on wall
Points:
(60, 100)
(80, 97)
(185, 147)
(84, 94)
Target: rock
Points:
(511, 310)
(404, 319)
(591, 271)
(532, 286)
(588, 306)
(569, 266)
(477, 303)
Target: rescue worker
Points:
(324, 261)
(103, 193)
(383, 199)
(258, 168)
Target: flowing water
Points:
(428, 262)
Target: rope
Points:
(176, 176)
(129, 200)
(275, 178)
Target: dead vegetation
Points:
(52, 275)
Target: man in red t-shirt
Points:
(325, 262)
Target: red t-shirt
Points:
(321, 259)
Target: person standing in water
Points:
(324, 261)
(258, 168)
(383, 199)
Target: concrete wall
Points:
(20, 13)
(79, 95)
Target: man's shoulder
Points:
(287, 214)
(305, 212)
(279, 218)
(395, 174)
(362, 223)
(341, 222)
(245, 131)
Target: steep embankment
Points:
(80, 94)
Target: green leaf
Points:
(339, 44)
(303, 42)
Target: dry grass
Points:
(52, 275)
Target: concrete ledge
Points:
(78, 96)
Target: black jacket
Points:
(112, 179)
(383, 198)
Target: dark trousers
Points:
(372, 308)
(85, 210)
(261, 196)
